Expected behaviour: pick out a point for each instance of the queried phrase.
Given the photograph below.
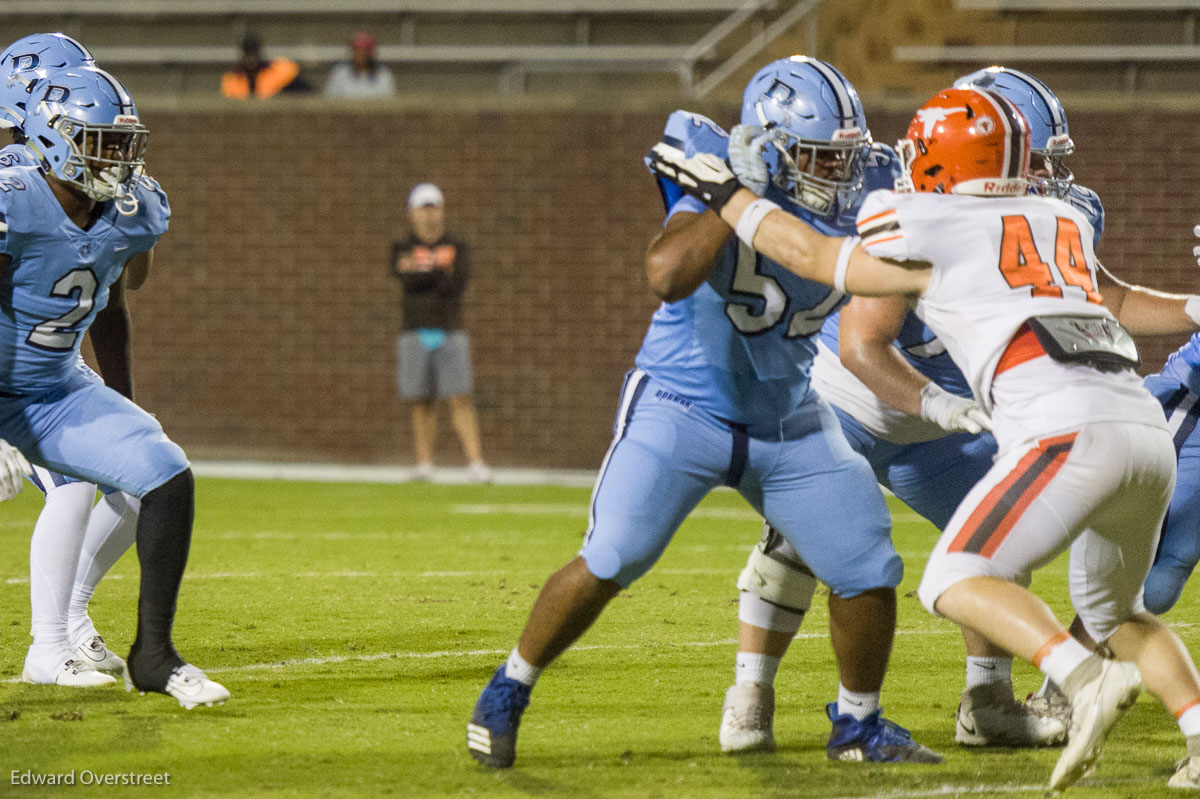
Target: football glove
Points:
(952, 413)
(746, 143)
(13, 469)
(704, 176)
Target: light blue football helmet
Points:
(820, 155)
(29, 60)
(83, 127)
(1049, 136)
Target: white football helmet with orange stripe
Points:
(966, 141)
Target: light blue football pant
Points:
(1179, 544)
(90, 432)
(931, 477)
(800, 474)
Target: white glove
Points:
(746, 143)
(1196, 249)
(13, 469)
(952, 413)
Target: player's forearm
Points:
(802, 249)
(787, 240)
(1145, 312)
(885, 371)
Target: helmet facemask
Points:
(1051, 177)
(104, 160)
(823, 177)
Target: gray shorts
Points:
(425, 374)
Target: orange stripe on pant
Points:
(1003, 506)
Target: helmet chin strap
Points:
(108, 186)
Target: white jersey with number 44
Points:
(997, 261)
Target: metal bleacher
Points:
(1139, 44)
(178, 48)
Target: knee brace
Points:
(775, 573)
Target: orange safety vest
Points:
(271, 79)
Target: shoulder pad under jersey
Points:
(1087, 202)
(883, 167)
(692, 133)
(154, 209)
(16, 155)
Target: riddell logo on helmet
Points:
(847, 134)
(1005, 187)
(125, 119)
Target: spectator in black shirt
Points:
(433, 350)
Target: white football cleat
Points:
(71, 672)
(99, 657)
(1187, 774)
(1095, 708)
(989, 716)
(1050, 701)
(747, 718)
(190, 686)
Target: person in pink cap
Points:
(363, 76)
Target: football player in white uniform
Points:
(1086, 462)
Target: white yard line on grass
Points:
(448, 653)
(574, 509)
(1006, 788)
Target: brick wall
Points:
(267, 329)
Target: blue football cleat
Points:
(492, 730)
(873, 739)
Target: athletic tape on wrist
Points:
(843, 262)
(1192, 308)
(930, 393)
(751, 218)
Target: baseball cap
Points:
(425, 194)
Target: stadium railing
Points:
(1128, 55)
(740, 29)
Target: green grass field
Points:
(355, 625)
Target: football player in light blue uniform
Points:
(68, 226)
(61, 588)
(907, 408)
(1177, 387)
(720, 396)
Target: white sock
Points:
(858, 705)
(53, 556)
(111, 531)
(988, 670)
(1060, 656)
(1189, 721)
(752, 667)
(519, 669)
